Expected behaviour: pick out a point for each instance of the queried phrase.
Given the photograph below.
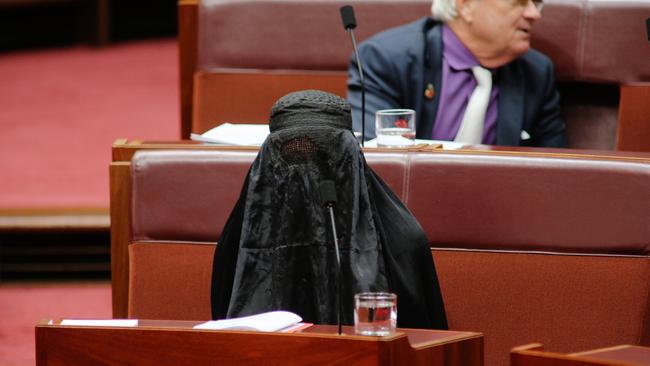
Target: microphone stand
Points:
(349, 23)
(328, 196)
(363, 86)
(330, 207)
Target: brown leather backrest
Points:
(298, 35)
(588, 40)
(485, 201)
(462, 200)
(595, 46)
(616, 47)
(185, 195)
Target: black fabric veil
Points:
(276, 250)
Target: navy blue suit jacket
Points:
(399, 63)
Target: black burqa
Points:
(276, 250)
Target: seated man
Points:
(432, 66)
(276, 251)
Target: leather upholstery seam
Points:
(583, 22)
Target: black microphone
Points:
(328, 197)
(328, 192)
(347, 15)
(349, 23)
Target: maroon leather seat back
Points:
(185, 195)
(546, 204)
(588, 40)
(595, 46)
(462, 200)
(300, 35)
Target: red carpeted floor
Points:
(23, 305)
(61, 109)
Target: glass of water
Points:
(395, 127)
(375, 313)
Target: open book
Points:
(274, 321)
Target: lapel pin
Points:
(429, 93)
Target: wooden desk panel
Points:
(627, 354)
(634, 115)
(624, 355)
(176, 343)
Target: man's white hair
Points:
(443, 10)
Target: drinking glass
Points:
(395, 127)
(375, 313)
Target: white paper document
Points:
(266, 322)
(234, 134)
(101, 322)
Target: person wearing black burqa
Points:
(276, 251)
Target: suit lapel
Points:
(511, 105)
(433, 76)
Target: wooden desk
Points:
(623, 355)
(626, 354)
(157, 342)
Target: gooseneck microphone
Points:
(328, 197)
(349, 23)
